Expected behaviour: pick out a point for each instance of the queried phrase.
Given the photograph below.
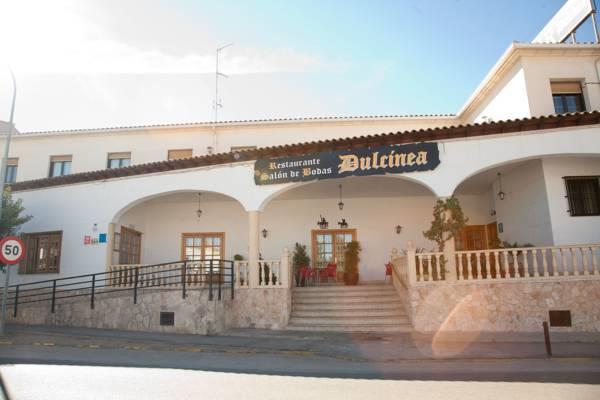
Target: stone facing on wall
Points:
(259, 308)
(504, 307)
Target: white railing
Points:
(430, 267)
(273, 273)
(399, 269)
(528, 263)
(525, 263)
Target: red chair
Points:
(328, 272)
(388, 271)
(332, 271)
(306, 274)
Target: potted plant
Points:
(448, 221)
(299, 260)
(351, 260)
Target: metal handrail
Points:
(24, 293)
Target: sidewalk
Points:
(343, 346)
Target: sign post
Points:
(12, 251)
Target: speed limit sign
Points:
(12, 250)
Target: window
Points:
(179, 154)
(60, 166)
(583, 193)
(242, 148)
(43, 253)
(567, 97)
(203, 246)
(118, 160)
(11, 170)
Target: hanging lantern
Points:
(501, 194)
(341, 203)
(199, 210)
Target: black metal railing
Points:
(213, 275)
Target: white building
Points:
(522, 156)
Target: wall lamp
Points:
(265, 233)
(398, 229)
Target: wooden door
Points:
(492, 236)
(130, 246)
(475, 237)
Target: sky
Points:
(104, 63)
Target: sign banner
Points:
(565, 21)
(391, 159)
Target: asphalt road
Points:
(78, 363)
(70, 382)
(298, 363)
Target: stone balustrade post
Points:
(450, 258)
(286, 273)
(411, 263)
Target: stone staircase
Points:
(363, 308)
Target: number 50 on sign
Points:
(12, 250)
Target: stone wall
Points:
(260, 308)
(257, 308)
(504, 307)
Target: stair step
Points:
(343, 306)
(336, 328)
(347, 300)
(364, 313)
(333, 289)
(363, 308)
(348, 321)
(354, 293)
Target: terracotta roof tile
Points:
(420, 135)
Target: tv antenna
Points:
(218, 103)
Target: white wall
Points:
(508, 99)
(74, 209)
(567, 229)
(524, 212)
(163, 220)
(539, 71)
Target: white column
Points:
(110, 244)
(450, 256)
(253, 247)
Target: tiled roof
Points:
(420, 135)
(238, 122)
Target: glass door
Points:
(205, 247)
(328, 246)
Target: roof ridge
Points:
(242, 121)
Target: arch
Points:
(123, 210)
(481, 169)
(289, 187)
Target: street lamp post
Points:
(2, 179)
